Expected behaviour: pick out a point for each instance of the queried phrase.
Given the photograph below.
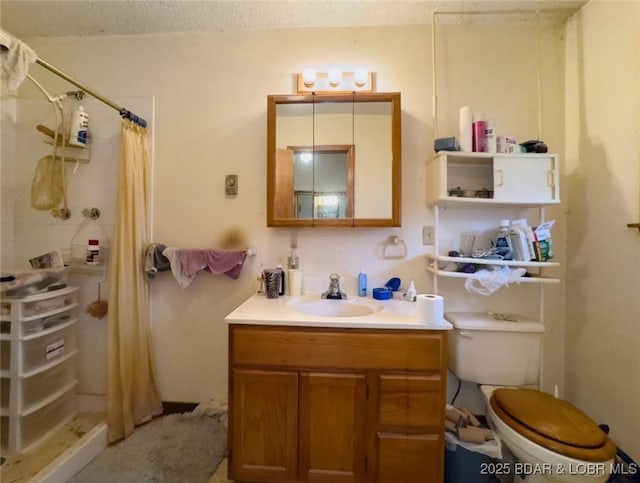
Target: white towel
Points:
(15, 60)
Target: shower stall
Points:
(28, 233)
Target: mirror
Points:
(334, 160)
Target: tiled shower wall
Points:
(27, 232)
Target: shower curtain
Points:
(132, 396)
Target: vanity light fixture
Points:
(335, 81)
(309, 77)
(334, 76)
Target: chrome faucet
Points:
(334, 292)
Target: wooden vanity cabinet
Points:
(336, 405)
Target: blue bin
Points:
(464, 466)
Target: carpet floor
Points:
(177, 448)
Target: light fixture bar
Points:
(324, 83)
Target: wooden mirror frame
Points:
(396, 166)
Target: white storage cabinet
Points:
(38, 366)
(518, 181)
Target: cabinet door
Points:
(530, 179)
(264, 425)
(410, 458)
(332, 428)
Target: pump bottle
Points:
(362, 283)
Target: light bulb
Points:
(335, 75)
(360, 77)
(309, 77)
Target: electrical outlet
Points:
(428, 235)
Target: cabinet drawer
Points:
(410, 401)
(326, 348)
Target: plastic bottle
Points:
(478, 128)
(79, 128)
(491, 145)
(281, 291)
(503, 241)
(93, 252)
(412, 292)
(362, 283)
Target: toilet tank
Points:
(493, 348)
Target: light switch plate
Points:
(231, 184)
(428, 235)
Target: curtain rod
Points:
(121, 110)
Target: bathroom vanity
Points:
(334, 398)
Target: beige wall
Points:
(210, 120)
(603, 181)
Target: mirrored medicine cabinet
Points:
(334, 160)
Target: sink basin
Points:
(337, 308)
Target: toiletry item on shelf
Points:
(362, 283)
(491, 143)
(93, 252)
(79, 128)
(411, 292)
(507, 144)
(465, 133)
(479, 139)
(503, 241)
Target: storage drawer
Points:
(47, 302)
(410, 401)
(45, 349)
(44, 384)
(327, 348)
(5, 355)
(5, 388)
(40, 422)
(38, 325)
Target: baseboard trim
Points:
(173, 407)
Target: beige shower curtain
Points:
(132, 396)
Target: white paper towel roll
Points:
(466, 129)
(430, 308)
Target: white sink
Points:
(338, 308)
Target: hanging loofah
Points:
(98, 308)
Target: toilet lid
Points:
(553, 423)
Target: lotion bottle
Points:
(78, 131)
(362, 283)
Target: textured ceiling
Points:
(52, 18)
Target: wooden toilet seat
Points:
(552, 423)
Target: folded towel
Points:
(16, 59)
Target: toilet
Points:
(551, 439)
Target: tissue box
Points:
(446, 144)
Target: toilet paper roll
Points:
(295, 281)
(466, 129)
(430, 308)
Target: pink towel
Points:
(228, 262)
